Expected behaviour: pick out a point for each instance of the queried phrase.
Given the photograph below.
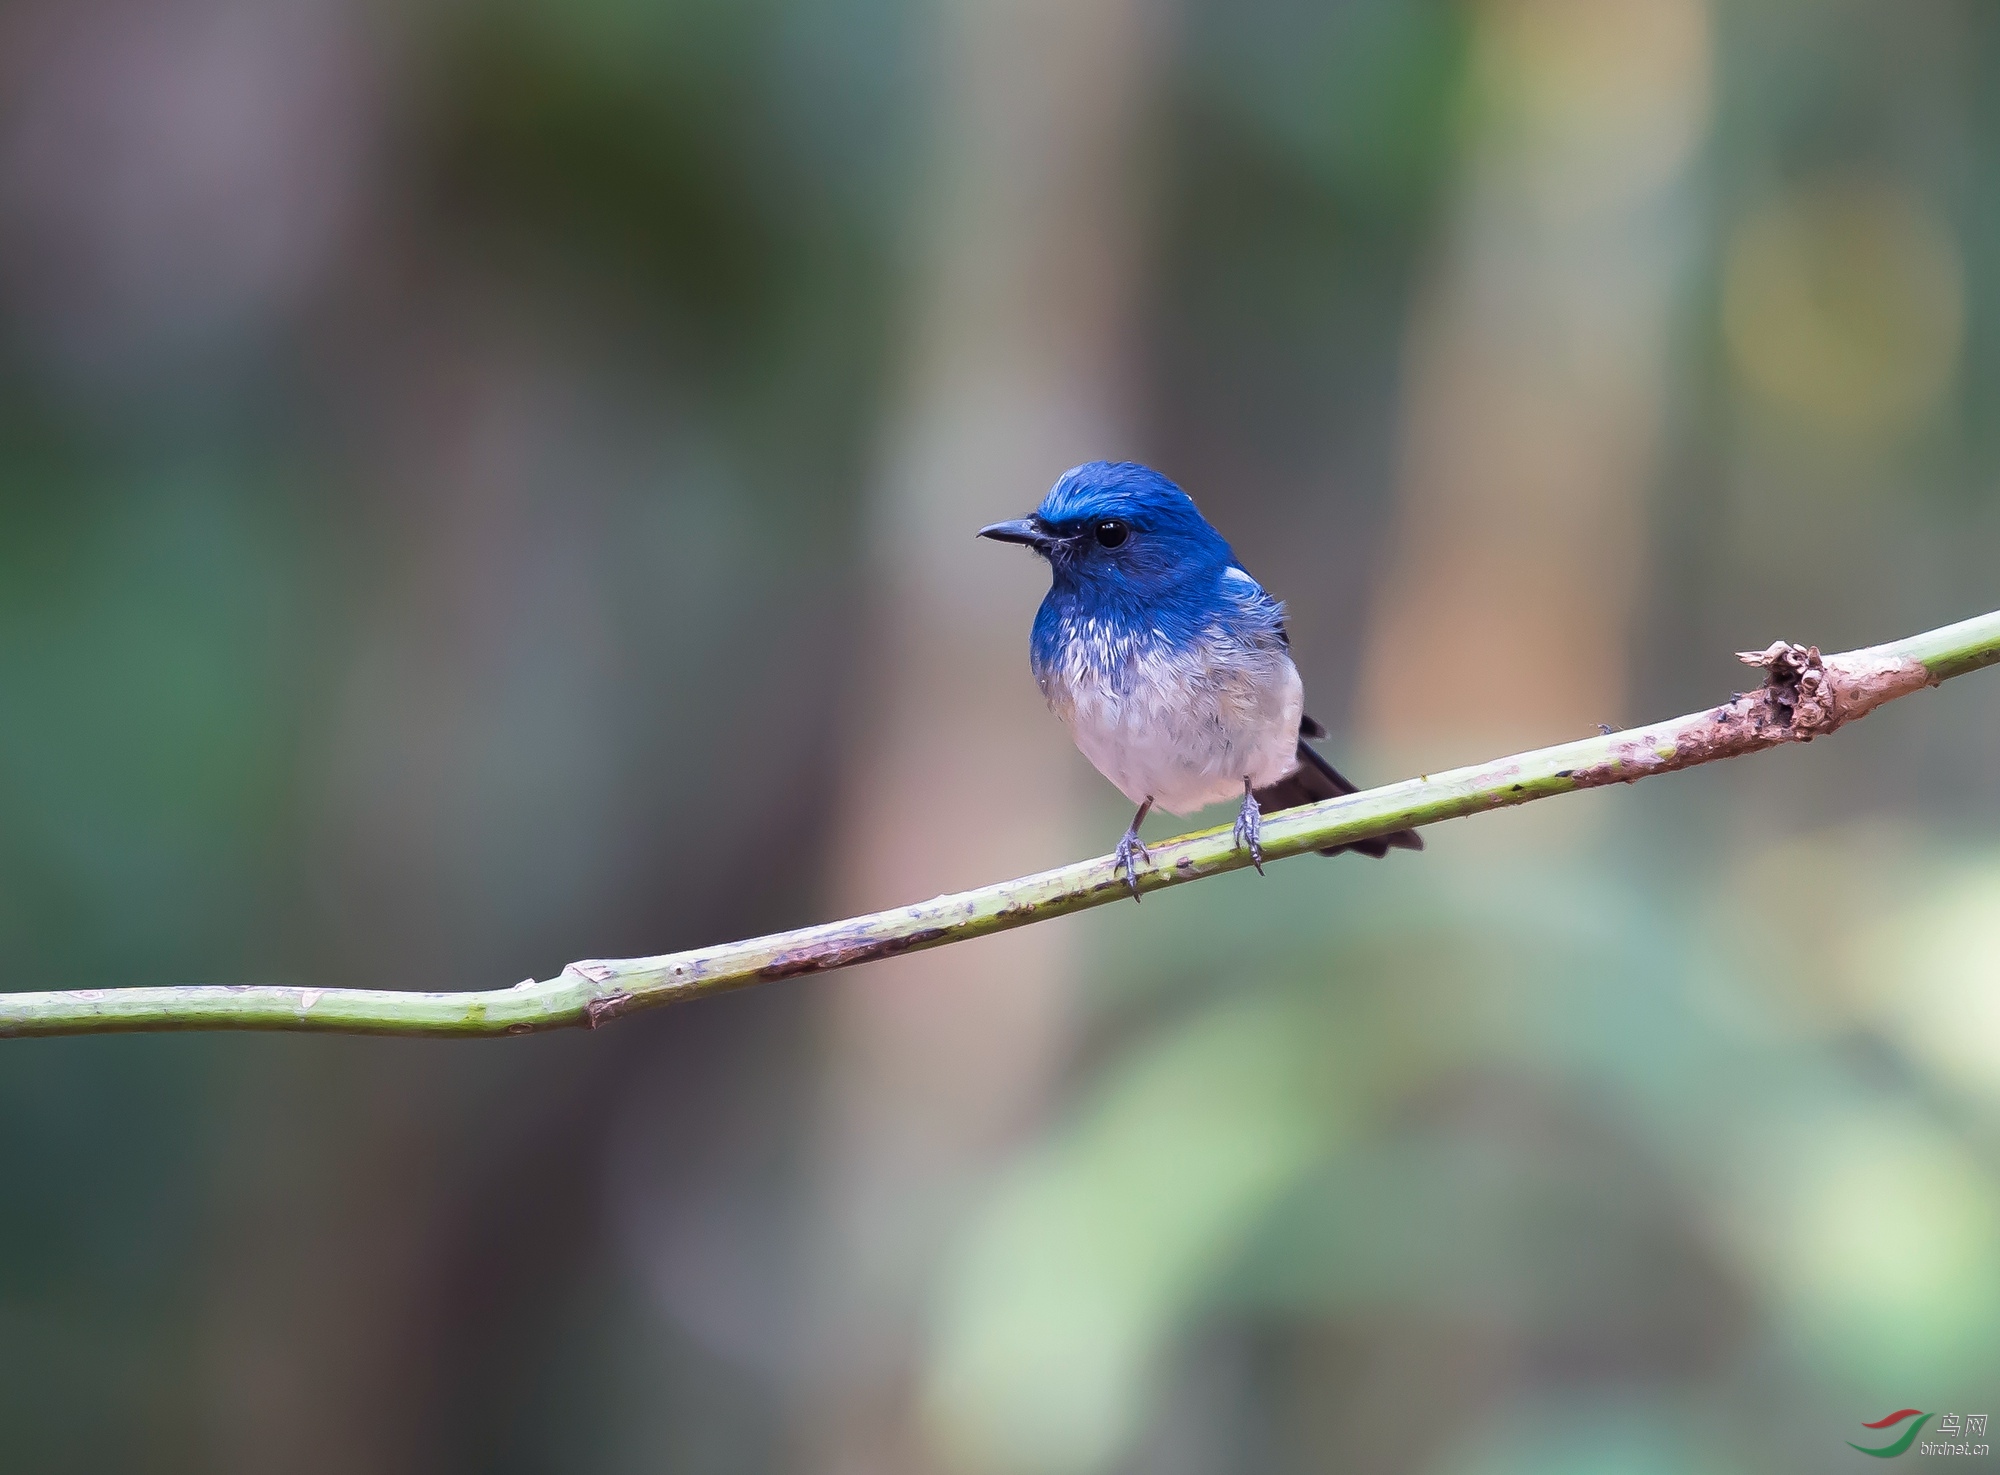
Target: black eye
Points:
(1112, 531)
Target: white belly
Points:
(1184, 730)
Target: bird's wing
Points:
(1315, 778)
(1257, 605)
(1238, 582)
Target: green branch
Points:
(1802, 697)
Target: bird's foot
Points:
(1128, 848)
(1249, 828)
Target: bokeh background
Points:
(486, 484)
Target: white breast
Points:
(1184, 728)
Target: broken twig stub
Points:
(1805, 695)
(1811, 696)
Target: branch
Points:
(1803, 697)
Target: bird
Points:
(1168, 661)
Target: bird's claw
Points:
(1129, 847)
(1249, 830)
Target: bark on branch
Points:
(1803, 696)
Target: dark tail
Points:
(1317, 779)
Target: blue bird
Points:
(1167, 661)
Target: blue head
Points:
(1128, 551)
(1116, 532)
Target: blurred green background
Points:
(487, 484)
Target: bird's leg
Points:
(1130, 846)
(1249, 825)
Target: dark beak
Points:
(1021, 530)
